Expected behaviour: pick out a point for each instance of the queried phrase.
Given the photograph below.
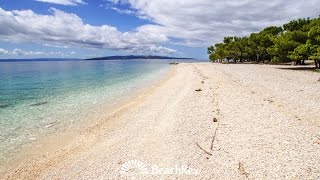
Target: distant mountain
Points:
(98, 58)
(134, 57)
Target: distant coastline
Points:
(133, 57)
(130, 57)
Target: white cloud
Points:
(153, 50)
(123, 11)
(64, 2)
(61, 54)
(66, 29)
(55, 46)
(19, 52)
(202, 22)
(3, 51)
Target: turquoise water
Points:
(42, 97)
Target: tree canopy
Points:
(297, 40)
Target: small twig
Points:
(215, 133)
(207, 152)
(268, 100)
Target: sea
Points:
(42, 97)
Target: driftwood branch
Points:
(215, 132)
(207, 152)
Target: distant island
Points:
(134, 57)
(131, 57)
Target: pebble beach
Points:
(221, 121)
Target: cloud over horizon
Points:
(22, 53)
(202, 22)
(67, 29)
(19, 52)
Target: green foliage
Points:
(314, 34)
(315, 53)
(275, 60)
(296, 24)
(297, 40)
(301, 52)
(283, 45)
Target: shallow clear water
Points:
(42, 97)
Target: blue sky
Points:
(83, 28)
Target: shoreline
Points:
(227, 121)
(48, 147)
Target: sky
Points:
(180, 28)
